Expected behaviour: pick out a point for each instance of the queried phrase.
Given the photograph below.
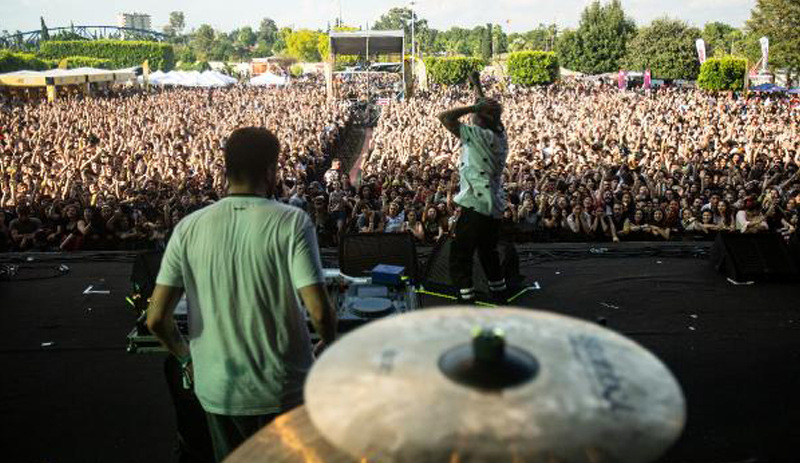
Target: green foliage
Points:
(177, 22)
(185, 66)
(203, 41)
(598, 45)
(267, 32)
(120, 53)
(722, 74)
(780, 21)
(323, 46)
(72, 62)
(12, 61)
(304, 44)
(719, 38)
(533, 67)
(296, 70)
(486, 44)
(667, 48)
(45, 34)
(451, 71)
(400, 19)
(193, 66)
(499, 40)
(541, 38)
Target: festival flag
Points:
(622, 80)
(647, 80)
(701, 50)
(764, 41)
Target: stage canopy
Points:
(64, 77)
(363, 42)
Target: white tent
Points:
(268, 79)
(191, 79)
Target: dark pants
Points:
(194, 441)
(228, 432)
(475, 231)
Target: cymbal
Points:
(531, 386)
(290, 438)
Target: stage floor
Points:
(70, 393)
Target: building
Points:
(134, 20)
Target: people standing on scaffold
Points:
(484, 149)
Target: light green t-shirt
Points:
(241, 262)
(483, 158)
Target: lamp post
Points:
(413, 41)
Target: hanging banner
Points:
(622, 80)
(647, 79)
(701, 50)
(764, 41)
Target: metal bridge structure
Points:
(30, 40)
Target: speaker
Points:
(436, 276)
(359, 253)
(753, 257)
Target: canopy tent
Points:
(64, 77)
(190, 79)
(268, 79)
(50, 80)
(795, 91)
(767, 87)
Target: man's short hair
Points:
(249, 153)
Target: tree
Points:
(667, 48)
(203, 41)
(400, 18)
(303, 44)
(569, 49)
(486, 44)
(45, 34)
(533, 67)
(246, 37)
(779, 20)
(718, 37)
(267, 31)
(176, 24)
(540, 39)
(323, 46)
(599, 43)
(722, 74)
(454, 41)
(499, 40)
(280, 45)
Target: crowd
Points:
(586, 163)
(590, 163)
(119, 172)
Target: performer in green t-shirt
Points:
(484, 148)
(242, 263)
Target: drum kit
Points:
(478, 385)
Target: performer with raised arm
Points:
(484, 148)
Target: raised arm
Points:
(450, 118)
(475, 81)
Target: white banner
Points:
(701, 50)
(764, 52)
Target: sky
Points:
(514, 15)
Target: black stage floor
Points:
(734, 349)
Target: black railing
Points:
(31, 39)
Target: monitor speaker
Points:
(360, 253)
(753, 257)
(436, 276)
